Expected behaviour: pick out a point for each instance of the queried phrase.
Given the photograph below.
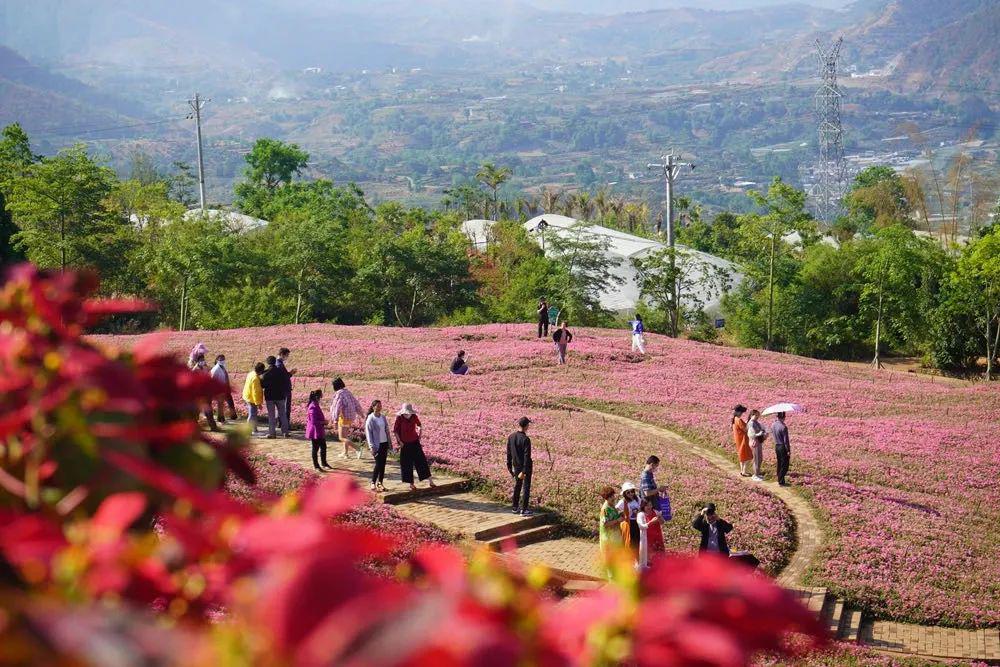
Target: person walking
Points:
(743, 451)
(282, 360)
(458, 365)
(520, 467)
(713, 531)
(650, 533)
(543, 318)
(628, 505)
(274, 381)
(408, 429)
(377, 435)
(195, 351)
(608, 528)
(782, 447)
(199, 365)
(253, 394)
(220, 374)
(638, 335)
(757, 434)
(345, 411)
(316, 430)
(562, 338)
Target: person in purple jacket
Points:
(316, 430)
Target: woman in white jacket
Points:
(757, 434)
(377, 435)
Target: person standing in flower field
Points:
(345, 411)
(608, 527)
(649, 490)
(316, 430)
(199, 365)
(377, 435)
(253, 394)
(628, 505)
(743, 451)
(638, 335)
(519, 466)
(274, 381)
(408, 429)
(562, 338)
(757, 434)
(713, 531)
(650, 533)
(782, 447)
(220, 374)
(543, 318)
(282, 359)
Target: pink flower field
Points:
(902, 469)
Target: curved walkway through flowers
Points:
(453, 507)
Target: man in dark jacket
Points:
(543, 318)
(274, 381)
(782, 447)
(281, 362)
(519, 466)
(713, 530)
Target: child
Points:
(650, 533)
(316, 429)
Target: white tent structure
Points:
(622, 296)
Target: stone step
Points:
(577, 586)
(851, 627)
(517, 524)
(404, 495)
(523, 538)
(835, 616)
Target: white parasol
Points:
(783, 407)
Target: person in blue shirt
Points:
(782, 447)
(638, 339)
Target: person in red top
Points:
(407, 430)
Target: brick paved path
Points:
(454, 508)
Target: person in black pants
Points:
(713, 531)
(281, 361)
(543, 318)
(782, 447)
(519, 465)
(408, 430)
(377, 435)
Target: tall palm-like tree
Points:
(584, 205)
(602, 200)
(493, 177)
(550, 200)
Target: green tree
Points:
(978, 279)
(59, 207)
(493, 177)
(785, 213)
(878, 198)
(15, 158)
(271, 164)
(894, 275)
(586, 269)
(718, 237)
(677, 281)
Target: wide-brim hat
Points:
(407, 409)
(628, 486)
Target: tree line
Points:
(866, 285)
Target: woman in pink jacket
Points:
(316, 429)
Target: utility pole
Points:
(670, 166)
(197, 104)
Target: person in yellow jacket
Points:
(253, 394)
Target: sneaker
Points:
(270, 437)
(527, 513)
(515, 511)
(757, 478)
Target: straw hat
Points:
(407, 409)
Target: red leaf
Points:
(119, 511)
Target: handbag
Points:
(665, 509)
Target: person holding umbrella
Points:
(779, 432)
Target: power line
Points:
(81, 130)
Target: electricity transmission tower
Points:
(197, 104)
(832, 170)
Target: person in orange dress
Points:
(743, 451)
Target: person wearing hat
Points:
(713, 531)
(407, 430)
(519, 466)
(628, 505)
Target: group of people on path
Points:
(749, 436)
(633, 517)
